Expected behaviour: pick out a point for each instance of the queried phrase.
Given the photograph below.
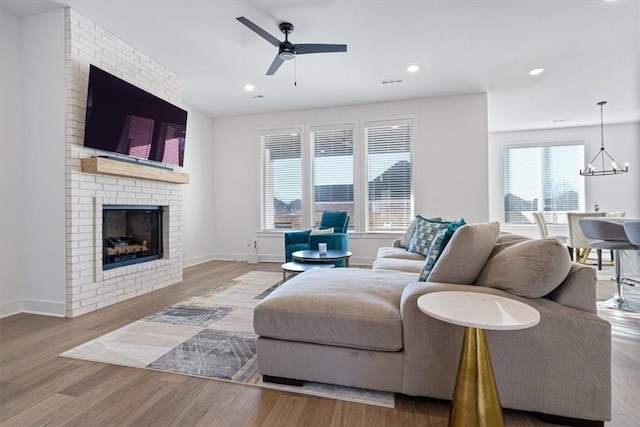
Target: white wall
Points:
(44, 163)
(613, 193)
(33, 255)
(11, 154)
(450, 168)
(198, 203)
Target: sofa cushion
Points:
(355, 308)
(399, 264)
(437, 247)
(530, 269)
(465, 255)
(400, 253)
(408, 234)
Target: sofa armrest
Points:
(532, 366)
(397, 243)
(294, 237)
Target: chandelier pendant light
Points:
(603, 158)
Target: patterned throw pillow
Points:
(424, 233)
(437, 246)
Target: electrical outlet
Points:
(249, 243)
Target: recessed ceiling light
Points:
(536, 71)
(413, 68)
(249, 87)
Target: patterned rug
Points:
(209, 335)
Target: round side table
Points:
(475, 399)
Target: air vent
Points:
(391, 81)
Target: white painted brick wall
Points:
(88, 286)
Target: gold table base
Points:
(475, 399)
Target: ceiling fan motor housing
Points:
(287, 51)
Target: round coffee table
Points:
(316, 257)
(297, 268)
(475, 398)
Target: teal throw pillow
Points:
(437, 246)
(424, 233)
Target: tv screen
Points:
(122, 118)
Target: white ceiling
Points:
(590, 50)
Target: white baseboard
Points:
(33, 306)
(198, 260)
(10, 308)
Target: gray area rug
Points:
(209, 335)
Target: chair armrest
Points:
(294, 237)
(397, 243)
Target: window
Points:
(389, 183)
(364, 170)
(333, 172)
(543, 178)
(282, 179)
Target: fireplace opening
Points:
(130, 235)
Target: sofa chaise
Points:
(362, 327)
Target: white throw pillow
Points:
(315, 231)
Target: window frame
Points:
(352, 126)
(360, 169)
(262, 193)
(365, 169)
(541, 144)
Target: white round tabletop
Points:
(478, 310)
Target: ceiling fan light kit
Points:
(287, 50)
(603, 157)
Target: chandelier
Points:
(603, 157)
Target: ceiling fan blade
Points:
(262, 33)
(277, 62)
(301, 49)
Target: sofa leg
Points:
(556, 419)
(281, 380)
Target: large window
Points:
(389, 180)
(364, 170)
(281, 179)
(544, 178)
(333, 172)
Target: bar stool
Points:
(609, 233)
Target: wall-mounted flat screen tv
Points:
(122, 118)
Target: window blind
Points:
(542, 178)
(281, 179)
(389, 178)
(333, 172)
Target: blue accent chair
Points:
(303, 240)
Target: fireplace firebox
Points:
(130, 235)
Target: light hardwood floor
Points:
(39, 388)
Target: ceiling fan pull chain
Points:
(295, 71)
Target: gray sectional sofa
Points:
(362, 327)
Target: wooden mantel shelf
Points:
(101, 165)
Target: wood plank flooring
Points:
(39, 388)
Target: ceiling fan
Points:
(286, 49)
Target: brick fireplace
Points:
(90, 286)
